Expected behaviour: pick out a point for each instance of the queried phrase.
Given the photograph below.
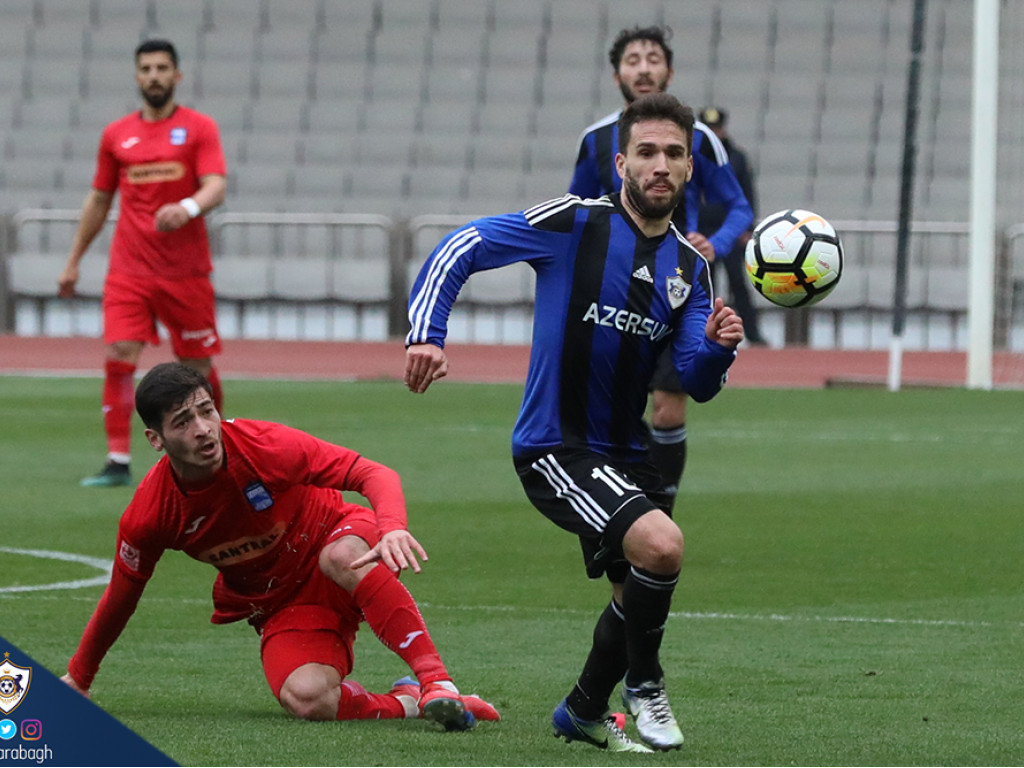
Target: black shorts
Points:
(665, 377)
(593, 496)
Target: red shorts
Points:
(184, 306)
(318, 626)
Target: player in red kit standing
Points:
(261, 503)
(167, 164)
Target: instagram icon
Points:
(31, 730)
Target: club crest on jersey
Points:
(14, 682)
(178, 136)
(677, 290)
(258, 496)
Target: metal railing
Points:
(316, 273)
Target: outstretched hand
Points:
(70, 681)
(724, 325)
(398, 550)
(424, 364)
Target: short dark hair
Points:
(164, 388)
(659, 35)
(655, 106)
(157, 45)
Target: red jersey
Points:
(151, 164)
(261, 523)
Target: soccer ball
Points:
(794, 258)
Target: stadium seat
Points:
(260, 179)
(92, 115)
(507, 153)
(241, 278)
(216, 78)
(278, 115)
(324, 149)
(47, 144)
(43, 113)
(545, 184)
(390, 115)
(453, 119)
(227, 17)
(495, 190)
(301, 278)
(319, 180)
(361, 281)
(335, 118)
(294, 18)
(448, 82)
(511, 87)
(262, 146)
(274, 79)
(435, 149)
(35, 274)
(509, 17)
(514, 46)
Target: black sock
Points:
(604, 668)
(668, 454)
(646, 599)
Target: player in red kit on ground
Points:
(167, 164)
(262, 503)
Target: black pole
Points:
(899, 314)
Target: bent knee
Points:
(665, 554)
(657, 547)
(310, 694)
(336, 561)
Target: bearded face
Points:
(156, 75)
(641, 84)
(648, 205)
(157, 95)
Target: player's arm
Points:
(115, 608)
(487, 243)
(397, 549)
(705, 342)
(211, 193)
(94, 215)
(720, 185)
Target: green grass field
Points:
(852, 593)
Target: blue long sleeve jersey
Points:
(608, 300)
(713, 178)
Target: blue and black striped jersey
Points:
(713, 178)
(608, 300)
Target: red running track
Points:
(756, 366)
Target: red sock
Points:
(394, 618)
(358, 704)
(118, 402)
(218, 393)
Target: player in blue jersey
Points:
(711, 216)
(616, 284)
(642, 62)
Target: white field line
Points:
(106, 566)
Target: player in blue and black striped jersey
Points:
(642, 62)
(616, 284)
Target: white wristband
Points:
(191, 206)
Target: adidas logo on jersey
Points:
(643, 273)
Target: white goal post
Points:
(984, 134)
